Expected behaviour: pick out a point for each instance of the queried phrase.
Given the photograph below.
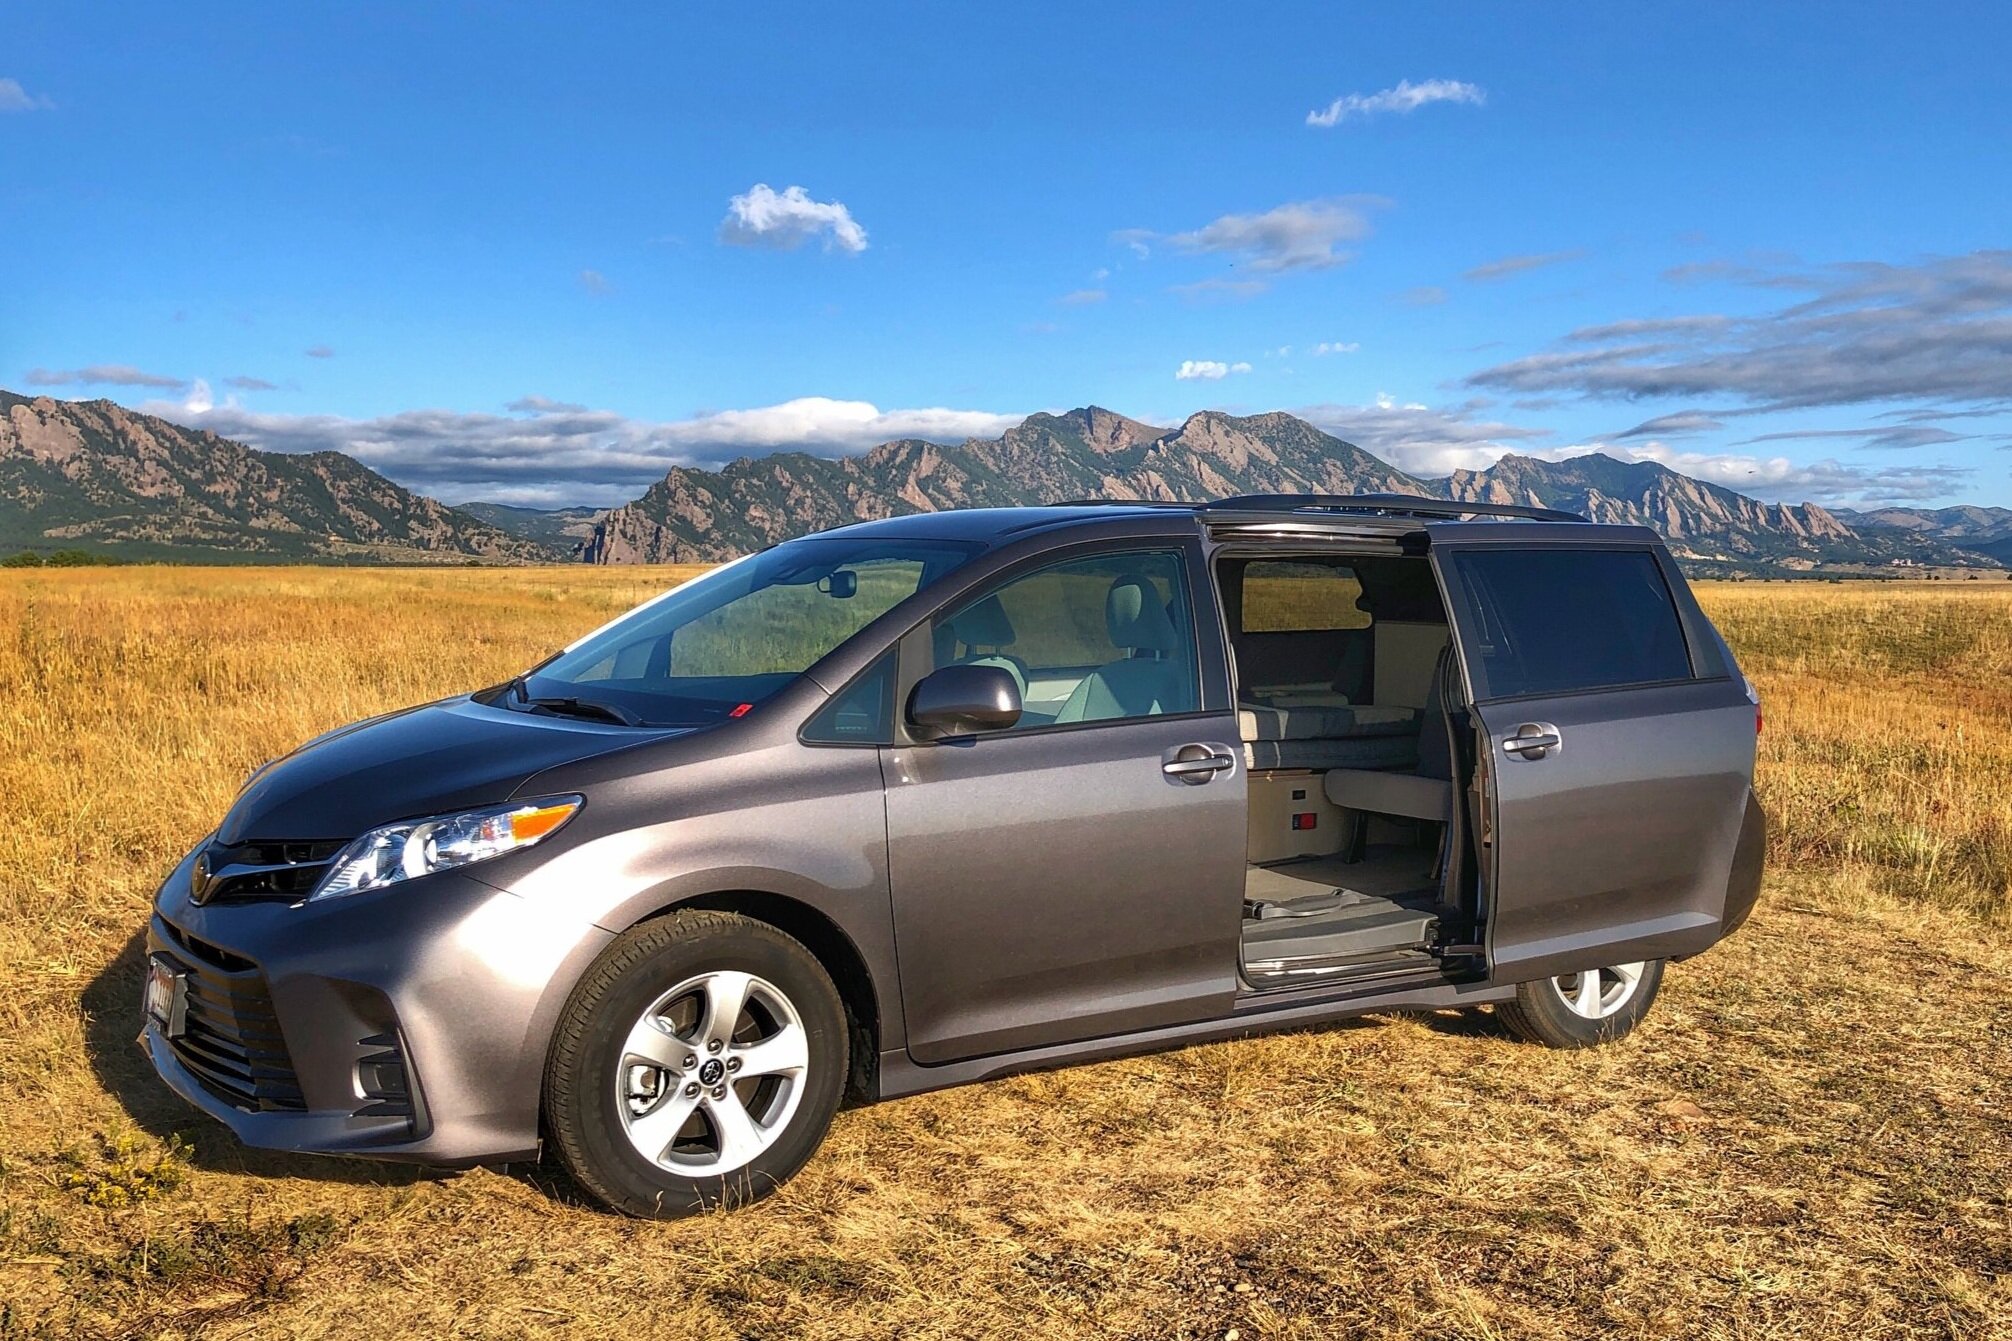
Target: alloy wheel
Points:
(1598, 993)
(712, 1073)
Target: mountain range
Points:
(92, 475)
(95, 476)
(695, 515)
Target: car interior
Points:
(1341, 665)
(1085, 641)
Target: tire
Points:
(644, 1059)
(1565, 1012)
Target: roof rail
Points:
(1389, 505)
(1120, 503)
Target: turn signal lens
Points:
(528, 825)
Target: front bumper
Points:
(302, 1021)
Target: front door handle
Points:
(1533, 740)
(1197, 763)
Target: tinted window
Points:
(1554, 621)
(1301, 596)
(862, 713)
(1092, 639)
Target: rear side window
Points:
(1561, 620)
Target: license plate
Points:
(167, 996)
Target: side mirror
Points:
(840, 584)
(960, 700)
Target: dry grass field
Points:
(1809, 1137)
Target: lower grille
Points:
(231, 1040)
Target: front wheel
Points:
(1581, 1010)
(697, 1064)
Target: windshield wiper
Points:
(582, 707)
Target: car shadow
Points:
(111, 1006)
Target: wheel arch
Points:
(833, 949)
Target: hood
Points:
(444, 756)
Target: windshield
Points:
(723, 642)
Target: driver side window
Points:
(1101, 638)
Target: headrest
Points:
(1136, 619)
(983, 625)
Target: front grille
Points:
(231, 1040)
(280, 869)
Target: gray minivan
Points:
(931, 799)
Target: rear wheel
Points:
(1581, 1010)
(697, 1064)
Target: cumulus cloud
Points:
(552, 453)
(786, 220)
(102, 374)
(1516, 265)
(1302, 235)
(1207, 370)
(1405, 98)
(1937, 330)
(1326, 347)
(14, 98)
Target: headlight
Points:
(420, 847)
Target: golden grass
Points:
(1808, 1138)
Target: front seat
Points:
(1425, 793)
(983, 632)
(1152, 679)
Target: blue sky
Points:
(541, 254)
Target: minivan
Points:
(935, 798)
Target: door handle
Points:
(1196, 764)
(1533, 740)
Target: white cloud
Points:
(320, 352)
(1302, 235)
(1137, 239)
(556, 453)
(1083, 297)
(1336, 347)
(764, 218)
(14, 98)
(1207, 370)
(1406, 97)
(544, 405)
(1434, 441)
(593, 281)
(199, 400)
(102, 374)
(1516, 265)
